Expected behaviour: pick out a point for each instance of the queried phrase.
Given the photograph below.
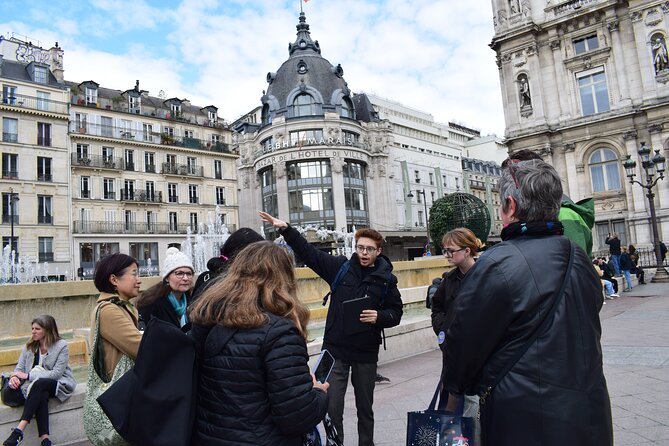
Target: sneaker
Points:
(15, 437)
(46, 442)
(381, 379)
(613, 295)
(627, 289)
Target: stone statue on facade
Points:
(514, 7)
(524, 90)
(660, 60)
(337, 164)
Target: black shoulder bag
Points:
(483, 394)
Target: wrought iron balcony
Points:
(10, 174)
(33, 103)
(108, 131)
(104, 162)
(46, 257)
(142, 196)
(44, 177)
(8, 219)
(10, 137)
(119, 227)
(182, 170)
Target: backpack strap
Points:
(343, 269)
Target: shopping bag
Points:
(434, 427)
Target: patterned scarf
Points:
(532, 228)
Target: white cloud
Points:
(430, 55)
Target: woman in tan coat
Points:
(117, 279)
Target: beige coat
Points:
(118, 331)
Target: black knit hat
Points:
(239, 240)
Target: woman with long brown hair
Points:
(255, 387)
(43, 372)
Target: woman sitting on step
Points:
(42, 372)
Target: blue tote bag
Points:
(433, 427)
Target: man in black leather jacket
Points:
(555, 390)
(369, 274)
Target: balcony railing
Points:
(10, 137)
(142, 196)
(10, 174)
(119, 227)
(182, 170)
(44, 219)
(7, 219)
(33, 103)
(44, 177)
(105, 162)
(46, 257)
(124, 133)
(44, 141)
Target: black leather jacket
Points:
(556, 392)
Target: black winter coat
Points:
(163, 310)
(556, 392)
(442, 302)
(378, 283)
(256, 389)
(614, 245)
(626, 263)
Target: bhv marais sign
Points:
(301, 155)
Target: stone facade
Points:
(584, 83)
(315, 154)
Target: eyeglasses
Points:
(182, 274)
(509, 164)
(367, 249)
(449, 252)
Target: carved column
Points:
(560, 80)
(619, 59)
(636, 199)
(570, 175)
(661, 189)
(338, 192)
(281, 191)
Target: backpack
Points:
(431, 290)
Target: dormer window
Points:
(346, 108)
(304, 105)
(41, 75)
(586, 44)
(212, 116)
(135, 104)
(91, 96)
(176, 109)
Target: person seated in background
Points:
(43, 372)
(168, 299)
(634, 255)
(607, 273)
(608, 287)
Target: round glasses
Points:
(368, 249)
(449, 252)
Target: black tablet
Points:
(352, 310)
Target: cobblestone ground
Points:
(635, 341)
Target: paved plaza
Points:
(636, 362)
(635, 341)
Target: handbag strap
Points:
(540, 329)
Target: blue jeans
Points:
(628, 278)
(616, 264)
(608, 287)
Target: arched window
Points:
(604, 170)
(346, 108)
(265, 116)
(304, 105)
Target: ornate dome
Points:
(306, 84)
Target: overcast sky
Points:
(431, 55)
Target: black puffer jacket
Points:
(378, 283)
(556, 392)
(255, 389)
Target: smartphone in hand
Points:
(324, 366)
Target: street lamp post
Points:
(427, 219)
(651, 166)
(13, 198)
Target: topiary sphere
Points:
(458, 210)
